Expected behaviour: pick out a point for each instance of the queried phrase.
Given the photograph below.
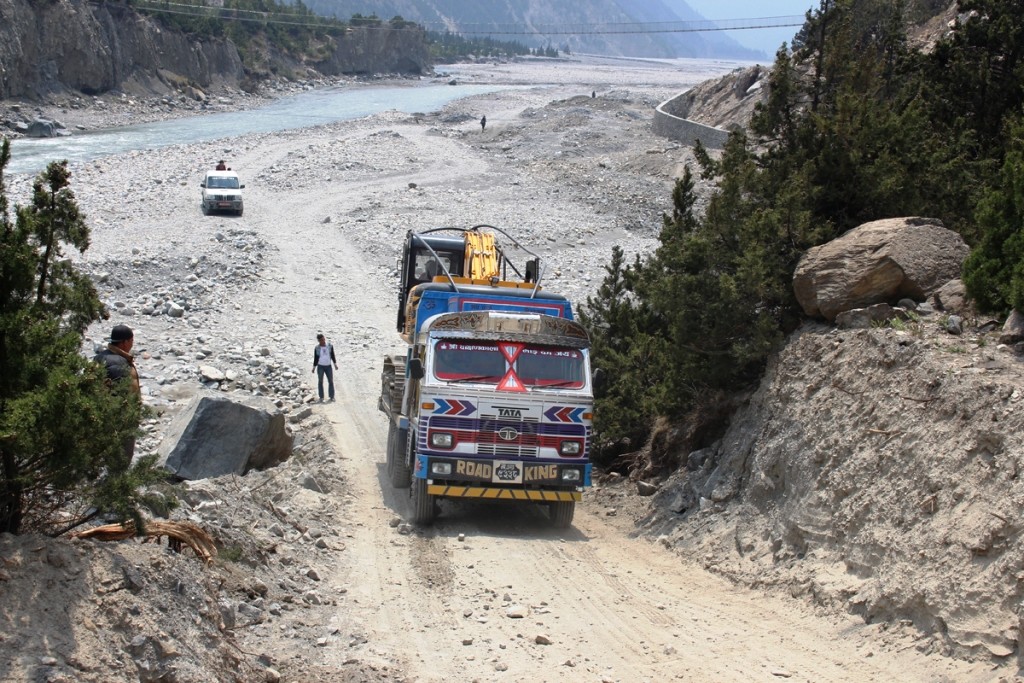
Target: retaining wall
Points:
(670, 122)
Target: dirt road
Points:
(493, 592)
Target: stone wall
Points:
(670, 121)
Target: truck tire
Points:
(392, 389)
(398, 464)
(561, 513)
(423, 504)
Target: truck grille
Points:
(524, 444)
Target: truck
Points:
(492, 399)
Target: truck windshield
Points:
(485, 362)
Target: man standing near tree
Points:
(120, 364)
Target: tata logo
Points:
(509, 412)
(508, 434)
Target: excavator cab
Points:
(457, 258)
(424, 258)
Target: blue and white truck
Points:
(493, 398)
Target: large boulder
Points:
(1013, 329)
(43, 128)
(878, 262)
(216, 435)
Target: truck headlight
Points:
(442, 440)
(570, 448)
(441, 468)
(570, 475)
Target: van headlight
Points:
(442, 440)
(570, 448)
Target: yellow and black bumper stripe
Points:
(449, 491)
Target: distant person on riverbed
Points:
(483, 123)
(221, 166)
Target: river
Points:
(311, 108)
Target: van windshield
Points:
(217, 182)
(486, 362)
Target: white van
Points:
(221, 191)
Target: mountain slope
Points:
(578, 27)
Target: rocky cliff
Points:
(93, 48)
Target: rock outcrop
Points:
(94, 48)
(878, 262)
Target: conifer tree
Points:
(61, 426)
(994, 272)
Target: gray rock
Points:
(878, 262)
(854, 319)
(208, 373)
(216, 435)
(227, 613)
(1013, 328)
(41, 128)
(952, 297)
(644, 488)
(863, 318)
(308, 481)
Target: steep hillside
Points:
(560, 23)
(97, 48)
(874, 471)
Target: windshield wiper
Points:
(555, 385)
(475, 378)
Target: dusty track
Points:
(435, 602)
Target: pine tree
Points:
(994, 272)
(61, 426)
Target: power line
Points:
(477, 29)
(632, 26)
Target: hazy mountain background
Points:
(564, 24)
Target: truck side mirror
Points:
(599, 378)
(416, 368)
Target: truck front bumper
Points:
(446, 490)
(494, 479)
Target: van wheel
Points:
(206, 209)
(561, 513)
(398, 465)
(423, 504)
(239, 212)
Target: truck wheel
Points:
(398, 464)
(561, 513)
(423, 510)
